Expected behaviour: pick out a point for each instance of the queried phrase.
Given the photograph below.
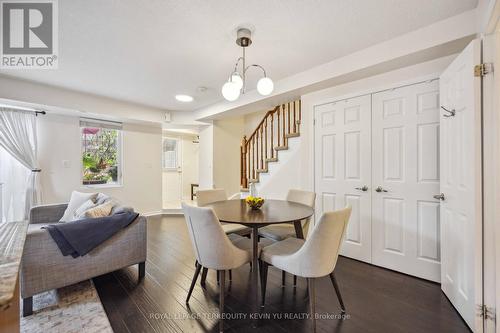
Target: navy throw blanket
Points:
(78, 238)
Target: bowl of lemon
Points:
(254, 202)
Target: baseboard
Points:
(172, 211)
(159, 212)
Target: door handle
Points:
(439, 196)
(380, 189)
(364, 188)
(451, 113)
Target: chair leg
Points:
(222, 289)
(230, 275)
(263, 281)
(283, 278)
(295, 280)
(27, 306)
(195, 277)
(203, 281)
(142, 270)
(337, 291)
(218, 277)
(312, 301)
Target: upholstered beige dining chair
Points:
(213, 248)
(279, 232)
(205, 197)
(236, 196)
(313, 258)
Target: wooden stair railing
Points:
(270, 136)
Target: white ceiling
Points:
(148, 51)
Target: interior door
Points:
(405, 177)
(461, 229)
(343, 167)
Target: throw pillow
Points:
(102, 198)
(118, 209)
(80, 211)
(101, 210)
(77, 199)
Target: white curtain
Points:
(18, 137)
(13, 186)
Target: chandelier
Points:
(236, 83)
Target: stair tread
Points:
(274, 159)
(261, 170)
(292, 135)
(281, 148)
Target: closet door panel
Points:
(405, 176)
(343, 168)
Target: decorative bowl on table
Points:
(254, 202)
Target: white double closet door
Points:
(379, 153)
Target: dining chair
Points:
(213, 248)
(312, 258)
(205, 197)
(236, 196)
(279, 232)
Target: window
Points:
(170, 153)
(101, 152)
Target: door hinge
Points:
(483, 69)
(488, 313)
(314, 121)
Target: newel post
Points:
(243, 163)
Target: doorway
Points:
(180, 168)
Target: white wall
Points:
(252, 120)
(228, 134)
(59, 140)
(284, 175)
(206, 157)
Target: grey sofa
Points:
(43, 267)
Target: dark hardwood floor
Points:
(377, 300)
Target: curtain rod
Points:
(17, 108)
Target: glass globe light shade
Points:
(265, 86)
(236, 78)
(230, 91)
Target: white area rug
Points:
(75, 308)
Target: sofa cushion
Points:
(37, 227)
(77, 199)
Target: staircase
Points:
(266, 142)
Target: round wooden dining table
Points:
(272, 212)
